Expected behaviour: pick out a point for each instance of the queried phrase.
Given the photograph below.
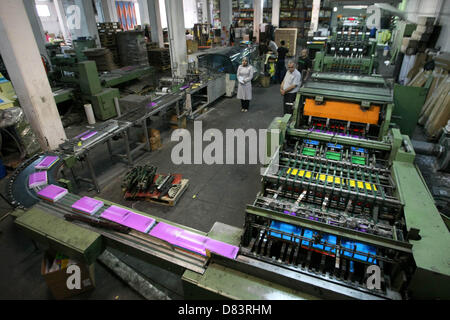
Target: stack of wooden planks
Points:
(436, 111)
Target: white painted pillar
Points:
(209, 6)
(91, 24)
(21, 56)
(257, 18)
(276, 13)
(110, 11)
(154, 14)
(204, 4)
(226, 13)
(62, 20)
(143, 12)
(315, 16)
(177, 37)
(36, 26)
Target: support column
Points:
(315, 16)
(91, 24)
(27, 74)
(62, 20)
(257, 18)
(204, 18)
(226, 13)
(109, 11)
(154, 14)
(36, 26)
(177, 38)
(143, 12)
(276, 13)
(209, 18)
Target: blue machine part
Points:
(328, 238)
(361, 247)
(360, 150)
(334, 146)
(313, 142)
(285, 227)
(352, 266)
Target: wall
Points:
(50, 23)
(444, 21)
(415, 8)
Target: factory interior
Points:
(224, 150)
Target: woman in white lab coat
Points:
(244, 77)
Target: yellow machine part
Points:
(339, 110)
(332, 179)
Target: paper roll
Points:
(89, 113)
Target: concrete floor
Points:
(216, 193)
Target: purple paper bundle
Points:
(52, 193)
(128, 218)
(87, 205)
(47, 162)
(37, 179)
(192, 241)
(82, 134)
(87, 136)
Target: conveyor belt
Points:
(18, 190)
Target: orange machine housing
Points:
(339, 110)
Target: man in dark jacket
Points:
(281, 62)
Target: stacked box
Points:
(132, 48)
(289, 35)
(423, 33)
(107, 32)
(103, 58)
(159, 58)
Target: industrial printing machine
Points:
(350, 49)
(340, 195)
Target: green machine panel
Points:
(60, 235)
(408, 104)
(103, 103)
(88, 77)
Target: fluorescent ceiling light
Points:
(355, 7)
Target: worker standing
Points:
(272, 46)
(289, 87)
(245, 76)
(232, 35)
(304, 64)
(281, 63)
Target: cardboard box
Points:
(192, 46)
(57, 281)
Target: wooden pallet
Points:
(165, 200)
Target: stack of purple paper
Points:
(87, 136)
(46, 163)
(193, 241)
(87, 205)
(37, 179)
(52, 193)
(82, 134)
(128, 218)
